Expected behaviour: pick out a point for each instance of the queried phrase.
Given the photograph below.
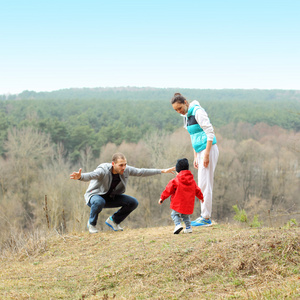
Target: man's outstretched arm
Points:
(148, 172)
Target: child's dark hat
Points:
(182, 164)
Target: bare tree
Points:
(26, 151)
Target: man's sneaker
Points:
(188, 230)
(178, 228)
(119, 227)
(91, 228)
(110, 222)
(201, 222)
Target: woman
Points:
(206, 151)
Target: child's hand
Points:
(160, 201)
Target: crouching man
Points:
(107, 187)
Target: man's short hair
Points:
(117, 156)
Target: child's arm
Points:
(169, 190)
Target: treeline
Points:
(259, 174)
(148, 93)
(77, 118)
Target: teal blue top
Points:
(198, 136)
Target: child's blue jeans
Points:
(176, 217)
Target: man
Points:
(107, 187)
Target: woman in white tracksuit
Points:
(206, 151)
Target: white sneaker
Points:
(112, 224)
(91, 228)
(188, 230)
(178, 228)
(119, 227)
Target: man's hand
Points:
(160, 201)
(76, 175)
(170, 170)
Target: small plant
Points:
(291, 223)
(240, 214)
(255, 222)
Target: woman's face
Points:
(181, 108)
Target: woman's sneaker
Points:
(178, 228)
(201, 222)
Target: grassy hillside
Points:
(220, 262)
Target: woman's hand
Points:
(206, 160)
(206, 154)
(196, 162)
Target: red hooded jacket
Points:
(182, 190)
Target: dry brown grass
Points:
(220, 262)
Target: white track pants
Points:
(206, 179)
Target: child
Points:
(182, 190)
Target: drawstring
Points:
(184, 121)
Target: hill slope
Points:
(220, 262)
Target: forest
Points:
(46, 136)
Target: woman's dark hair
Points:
(177, 98)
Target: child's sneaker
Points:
(201, 222)
(188, 230)
(178, 228)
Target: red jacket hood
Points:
(185, 177)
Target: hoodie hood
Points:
(185, 177)
(191, 107)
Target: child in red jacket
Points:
(182, 190)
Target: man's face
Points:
(119, 166)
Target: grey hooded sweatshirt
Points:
(101, 179)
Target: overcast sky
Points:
(48, 45)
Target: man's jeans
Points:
(97, 203)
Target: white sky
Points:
(49, 45)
